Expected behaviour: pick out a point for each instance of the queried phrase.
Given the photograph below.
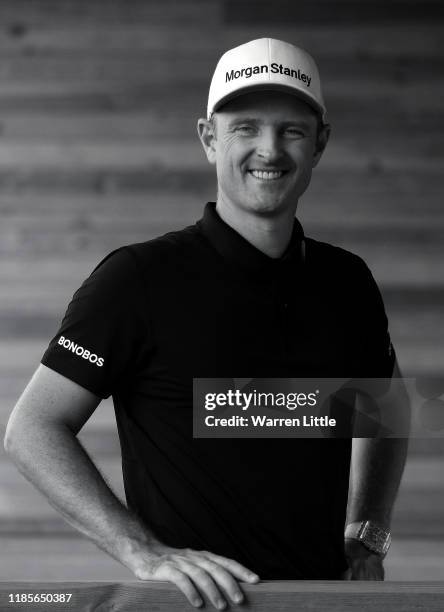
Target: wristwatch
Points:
(371, 535)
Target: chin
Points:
(270, 206)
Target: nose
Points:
(268, 145)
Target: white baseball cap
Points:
(266, 63)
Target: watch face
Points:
(375, 538)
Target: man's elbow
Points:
(22, 443)
(19, 435)
(11, 440)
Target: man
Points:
(240, 293)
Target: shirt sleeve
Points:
(375, 346)
(103, 338)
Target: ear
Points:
(321, 142)
(207, 135)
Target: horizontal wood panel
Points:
(323, 11)
(367, 40)
(364, 42)
(125, 38)
(273, 596)
(173, 68)
(55, 558)
(116, 127)
(99, 156)
(62, 12)
(18, 12)
(66, 181)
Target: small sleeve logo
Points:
(70, 345)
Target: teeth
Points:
(266, 175)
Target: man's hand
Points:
(362, 563)
(194, 572)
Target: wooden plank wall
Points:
(98, 148)
(277, 596)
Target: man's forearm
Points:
(376, 471)
(53, 459)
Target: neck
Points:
(269, 234)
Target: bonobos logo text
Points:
(274, 68)
(80, 351)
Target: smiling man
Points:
(241, 293)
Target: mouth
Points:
(267, 175)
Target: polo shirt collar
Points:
(238, 251)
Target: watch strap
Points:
(371, 535)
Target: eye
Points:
(245, 129)
(294, 132)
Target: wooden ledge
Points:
(273, 596)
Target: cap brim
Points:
(298, 93)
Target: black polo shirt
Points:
(203, 302)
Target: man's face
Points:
(264, 147)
